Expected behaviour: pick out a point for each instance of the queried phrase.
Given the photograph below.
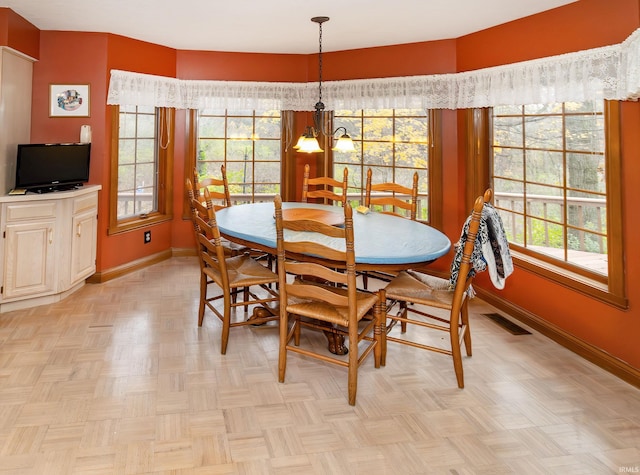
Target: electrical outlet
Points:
(147, 237)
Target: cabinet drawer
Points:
(25, 211)
(85, 203)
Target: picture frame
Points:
(69, 100)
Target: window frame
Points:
(610, 288)
(164, 157)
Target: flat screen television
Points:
(52, 167)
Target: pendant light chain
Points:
(319, 105)
(320, 64)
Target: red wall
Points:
(18, 33)
(579, 25)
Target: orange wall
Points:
(580, 25)
(18, 33)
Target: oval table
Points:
(382, 242)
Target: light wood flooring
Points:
(118, 379)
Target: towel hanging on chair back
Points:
(491, 249)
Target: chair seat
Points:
(329, 313)
(421, 289)
(243, 271)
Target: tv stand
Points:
(49, 245)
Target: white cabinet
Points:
(84, 228)
(29, 254)
(49, 245)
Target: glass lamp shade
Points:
(344, 144)
(299, 142)
(309, 144)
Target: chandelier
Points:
(308, 141)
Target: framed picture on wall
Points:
(68, 100)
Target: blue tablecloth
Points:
(379, 238)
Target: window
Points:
(141, 167)
(554, 169)
(394, 143)
(248, 144)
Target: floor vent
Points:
(507, 324)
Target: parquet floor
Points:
(118, 379)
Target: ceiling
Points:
(277, 26)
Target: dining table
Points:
(383, 242)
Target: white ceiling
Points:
(277, 26)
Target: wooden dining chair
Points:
(329, 189)
(330, 298)
(234, 276)
(415, 293)
(393, 198)
(389, 198)
(218, 188)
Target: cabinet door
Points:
(29, 259)
(83, 245)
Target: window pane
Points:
(211, 127)
(507, 131)
(544, 166)
(268, 128)
(412, 155)
(587, 211)
(126, 178)
(543, 132)
(545, 202)
(378, 153)
(412, 129)
(544, 234)
(239, 127)
(210, 150)
(586, 172)
(584, 133)
(378, 129)
(267, 150)
(248, 144)
(508, 163)
(146, 126)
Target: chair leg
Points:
(203, 298)
(379, 330)
(404, 314)
(464, 312)
(456, 353)
(352, 382)
(296, 327)
(284, 336)
(226, 323)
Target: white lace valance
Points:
(610, 72)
